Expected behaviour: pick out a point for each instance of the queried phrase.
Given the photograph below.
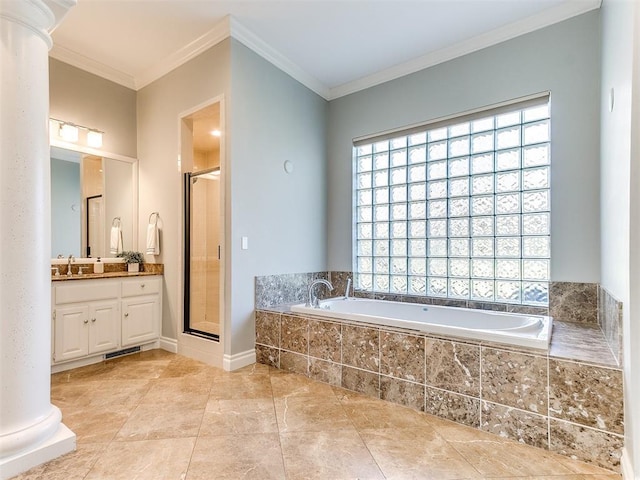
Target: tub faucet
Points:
(312, 301)
(347, 290)
(69, 260)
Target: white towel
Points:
(153, 239)
(115, 240)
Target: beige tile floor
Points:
(156, 416)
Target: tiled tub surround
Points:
(567, 406)
(568, 301)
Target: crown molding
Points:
(92, 66)
(535, 22)
(259, 46)
(214, 36)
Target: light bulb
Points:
(68, 132)
(94, 139)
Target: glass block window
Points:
(460, 209)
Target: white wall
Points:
(273, 118)
(160, 105)
(563, 59)
(620, 198)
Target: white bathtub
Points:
(531, 331)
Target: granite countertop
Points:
(88, 276)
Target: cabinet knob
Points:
(126, 314)
(142, 285)
(86, 321)
(93, 320)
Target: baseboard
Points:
(239, 360)
(169, 344)
(63, 441)
(626, 467)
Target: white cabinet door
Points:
(104, 326)
(140, 319)
(71, 332)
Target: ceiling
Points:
(334, 47)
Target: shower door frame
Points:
(187, 329)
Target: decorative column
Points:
(31, 431)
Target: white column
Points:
(31, 431)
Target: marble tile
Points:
(327, 455)
(241, 386)
(255, 456)
(527, 309)
(574, 302)
(519, 425)
(325, 340)
(339, 282)
(515, 379)
(300, 414)
(294, 334)
(402, 392)
(497, 457)
(268, 355)
(453, 366)
(361, 347)
(367, 413)
(155, 421)
(495, 307)
(299, 386)
(587, 395)
(581, 342)
(181, 367)
(593, 446)
(452, 406)
(416, 453)
(72, 466)
(185, 390)
(402, 356)
(610, 320)
(271, 290)
(325, 372)
(268, 328)
(97, 424)
(227, 417)
(361, 381)
(294, 362)
(149, 459)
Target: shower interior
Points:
(203, 223)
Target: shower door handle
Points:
(218, 252)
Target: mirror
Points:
(93, 203)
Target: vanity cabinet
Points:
(140, 310)
(96, 316)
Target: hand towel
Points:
(115, 240)
(153, 239)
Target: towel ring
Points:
(157, 217)
(115, 222)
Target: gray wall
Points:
(91, 101)
(564, 59)
(273, 118)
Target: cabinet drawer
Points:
(86, 291)
(140, 286)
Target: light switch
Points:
(245, 243)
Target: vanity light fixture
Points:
(70, 132)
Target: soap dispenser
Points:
(98, 267)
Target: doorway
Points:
(203, 229)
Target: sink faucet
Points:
(69, 260)
(312, 301)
